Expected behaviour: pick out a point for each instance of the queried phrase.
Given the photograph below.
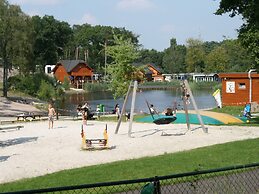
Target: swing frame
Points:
(185, 88)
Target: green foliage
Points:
(94, 87)
(239, 60)
(150, 56)
(174, 58)
(249, 31)
(46, 91)
(66, 84)
(121, 70)
(51, 38)
(173, 83)
(29, 84)
(94, 39)
(250, 39)
(232, 110)
(195, 55)
(217, 60)
(216, 156)
(203, 85)
(15, 45)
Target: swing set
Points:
(166, 119)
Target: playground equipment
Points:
(161, 120)
(186, 97)
(95, 144)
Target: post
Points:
(250, 84)
(123, 109)
(105, 59)
(205, 130)
(132, 106)
(185, 106)
(56, 100)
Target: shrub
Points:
(93, 87)
(46, 91)
(66, 84)
(29, 84)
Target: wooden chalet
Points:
(150, 72)
(156, 73)
(239, 88)
(76, 71)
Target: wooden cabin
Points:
(239, 88)
(156, 73)
(77, 72)
(149, 72)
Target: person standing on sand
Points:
(117, 111)
(51, 115)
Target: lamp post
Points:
(250, 84)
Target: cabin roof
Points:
(238, 75)
(69, 65)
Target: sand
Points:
(36, 150)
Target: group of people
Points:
(167, 111)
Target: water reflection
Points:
(160, 98)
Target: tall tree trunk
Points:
(5, 76)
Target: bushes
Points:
(90, 87)
(46, 91)
(37, 85)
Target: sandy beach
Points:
(36, 150)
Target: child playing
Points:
(51, 115)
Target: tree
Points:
(174, 58)
(249, 31)
(195, 55)
(150, 56)
(121, 70)
(15, 39)
(51, 39)
(93, 41)
(240, 59)
(217, 61)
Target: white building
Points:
(201, 77)
(48, 69)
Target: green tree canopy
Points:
(92, 40)
(15, 39)
(51, 39)
(249, 31)
(195, 55)
(122, 72)
(150, 56)
(174, 58)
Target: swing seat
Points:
(164, 120)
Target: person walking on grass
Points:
(51, 115)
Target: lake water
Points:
(161, 99)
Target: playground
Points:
(35, 150)
(208, 117)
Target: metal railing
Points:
(235, 179)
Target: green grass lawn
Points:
(217, 156)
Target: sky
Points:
(155, 21)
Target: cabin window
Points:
(49, 69)
(241, 86)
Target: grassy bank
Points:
(229, 154)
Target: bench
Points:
(26, 116)
(18, 127)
